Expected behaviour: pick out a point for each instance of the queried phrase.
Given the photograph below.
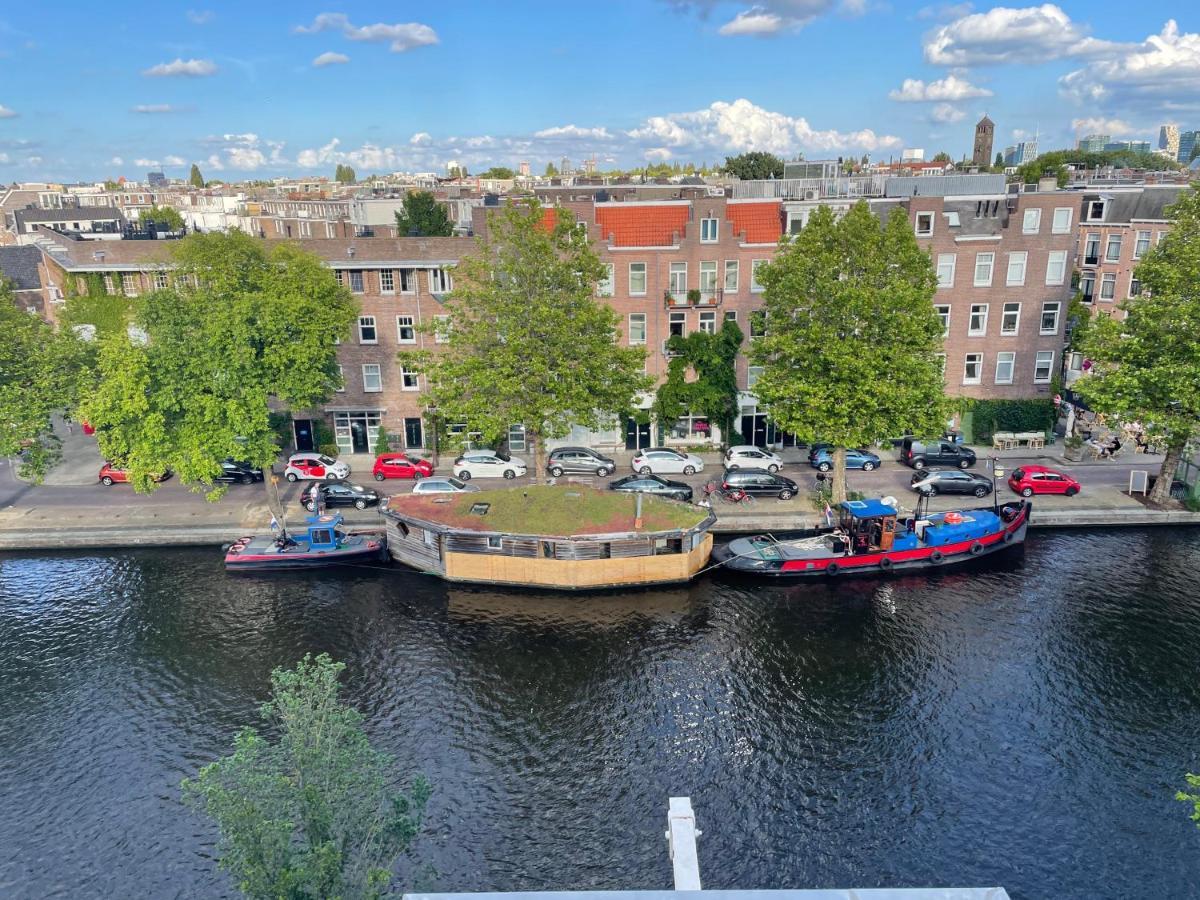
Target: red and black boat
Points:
(323, 543)
(872, 538)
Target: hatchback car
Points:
(579, 461)
(339, 493)
(442, 485)
(921, 454)
(652, 484)
(660, 460)
(1030, 480)
(752, 457)
(399, 465)
(855, 459)
(488, 464)
(759, 482)
(233, 472)
(950, 481)
(111, 474)
(315, 466)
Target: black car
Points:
(922, 454)
(652, 484)
(579, 461)
(950, 481)
(239, 472)
(339, 493)
(758, 482)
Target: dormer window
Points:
(924, 224)
(1095, 210)
(709, 230)
(952, 220)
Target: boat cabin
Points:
(865, 526)
(323, 532)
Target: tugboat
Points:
(323, 543)
(871, 539)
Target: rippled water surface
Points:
(1026, 724)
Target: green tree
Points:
(527, 341)
(551, 170)
(1146, 368)
(1192, 798)
(345, 174)
(501, 172)
(38, 375)
(163, 215)
(851, 343)
(198, 387)
(422, 215)
(755, 165)
(943, 157)
(713, 391)
(196, 179)
(999, 163)
(312, 814)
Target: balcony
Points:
(693, 299)
(1091, 258)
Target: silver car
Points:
(443, 484)
(749, 457)
(660, 460)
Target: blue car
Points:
(855, 459)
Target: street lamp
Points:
(997, 468)
(431, 411)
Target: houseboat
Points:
(324, 542)
(563, 537)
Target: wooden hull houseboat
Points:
(561, 537)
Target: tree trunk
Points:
(838, 488)
(271, 486)
(1161, 492)
(539, 456)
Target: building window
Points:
(409, 380)
(1042, 366)
(1056, 267)
(441, 329)
(1016, 269)
(983, 269)
(495, 542)
(1010, 319)
(1049, 317)
(341, 388)
(406, 331)
(731, 315)
(1112, 251)
(637, 278)
(305, 228)
(755, 265)
(1062, 221)
(109, 286)
(1004, 367)
(1087, 286)
(356, 282)
(1142, 247)
(972, 367)
(1091, 250)
(978, 323)
(330, 230)
(731, 276)
(943, 311)
(129, 284)
(372, 379)
(709, 229)
(758, 323)
(366, 330)
(924, 224)
(1135, 286)
(637, 328)
(604, 288)
(340, 276)
(753, 373)
(708, 322)
(1108, 285)
(162, 281)
(677, 324)
(1095, 211)
(1076, 362)
(708, 277)
(1031, 223)
(440, 281)
(945, 269)
(408, 281)
(678, 279)
(387, 281)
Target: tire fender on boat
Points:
(1008, 537)
(885, 563)
(936, 557)
(832, 569)
(976, 548)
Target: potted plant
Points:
(694, 297)
(1073, 448)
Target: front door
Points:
(304, 435)
(412, 434)
(358, 436)
(754, 429)
(637, 434)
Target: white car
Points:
(752, 458)
(315, 467)
(661, 460)
(442, 485)
(488, 464)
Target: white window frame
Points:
(357, 275)
(330, 230)
(946, 263)
(732, 266)
(927, 231)
(1045, 357)
(162, 281)
(978, 358)
(1018, 259)
(1138, 250)
(1088, 239)
(1057, 225)
(755, 287)
(1031, 221)
(712, 273)
(636, 317)
(943, 310)
(753, 373)
(408, 281)
(708, 321)
(1109, 280)
(605, 286)
(1135, 286)
(677, 278)
(368, 322)
(410, 380)
(710, 231)
(1091, 208)
(440, 281)
(633, 266)
(129, 284)
(1056, 259)
(988, 259)
(1007, 310)
(366, 373)
(403, 322)
(387, 281)
(342, 375)
(1117, 240)
(441, 329)
(1047, 307)
(982, 329)
(1009, 357)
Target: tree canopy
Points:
(527, 342)
(1146, 368)
(851, 343)
(344, 174)
(501, 172)
(162, 215)
(242, 325)
(1055, 162)
(195, 179)
(713, 392)
(942, 156)
(312, 814)
(551, 170)
(422, 215)
(754, 165)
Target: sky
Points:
(256, 90)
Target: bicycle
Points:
(726, 495)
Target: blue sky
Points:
(89, 91)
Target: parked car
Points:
(921, 455)
(855, 459)
(442, 484)
(950, 481)
(752, 457)
(660, 460)
(1030, 480)
(315, 466)
(400, 465)
(579, 461)
(759, 482)
(488, 464)
(814, 449)
(111, 474)
(652, 484)
(233, 472)
(339, 493)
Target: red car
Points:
(110, 475)
(397, 465)
(1030, 480)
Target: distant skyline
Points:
(259, 90)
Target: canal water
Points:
(1025, 724)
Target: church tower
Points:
(985, 131)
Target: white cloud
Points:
(6, 113)
(1101, 125)
(146, 163)
(174, 160)
(329, 58)
(420, 139)
(4, 159)
(657, 154)
(116, 161)
(1163, 70)
(575, 132)
(770, 17)
(200, 16)
(246, 159)
(399, 37)
(944, 112)
(756, 20)
(950, 88)
(1031, 34)
(312, 159)
(189, 68)
(214, 163)
(151, 108)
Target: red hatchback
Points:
(110, 475)
(397, 465)
(1030, 480)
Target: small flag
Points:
(828, 513)
(274, 523)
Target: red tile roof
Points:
(638, 225)
(761, 222)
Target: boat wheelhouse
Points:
(324, 542)
(568, 537)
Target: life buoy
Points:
(976, 548)
(885, 563)
(936, 557)
(953, 518)
(832, 569)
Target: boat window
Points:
(321, 536)
(402, 528)
(548, 549)
(495, 542)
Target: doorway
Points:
(637, 434)
(413, 438)
(358, 436)
(302, 429)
